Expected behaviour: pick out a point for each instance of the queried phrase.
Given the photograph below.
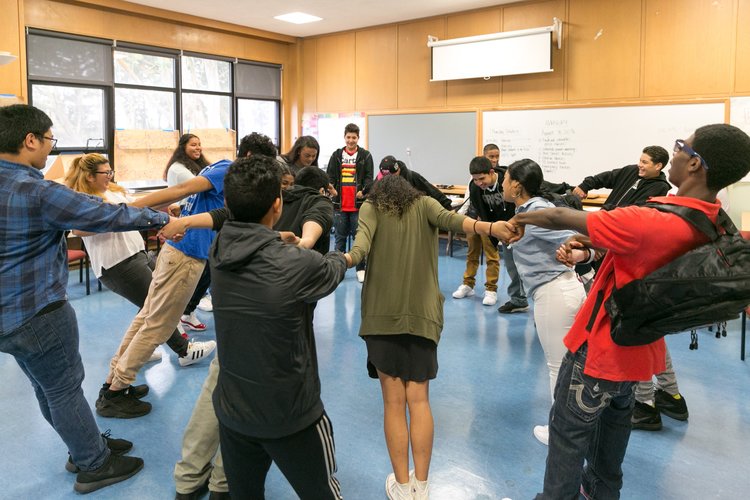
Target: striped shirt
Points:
(34, 213)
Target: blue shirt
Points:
(197, 241)
(34, 213)
(534, 254)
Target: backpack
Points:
(706, 285)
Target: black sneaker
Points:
(193, 495)
(121, 404)
(645, 417)
(116, 446)
(672, 406)
(139, 391)
(114, 470)
(509, 307)
(219, 495)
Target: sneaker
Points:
(463, 291)
(509, 307)
(191, 322)
(361, 276)
(205, 304)
(193, 495)
(155, 356)
(121, 404)
(645, 417)
(219, 495)
(397, 491)
(115, 469)
(420, 490)
(490, 298)
(138, 391)
(672, 406)
(197, 351)
(116, 447)
(541, 433)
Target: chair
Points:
(82, 258)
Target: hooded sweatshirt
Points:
(627, 188)
(264, 293)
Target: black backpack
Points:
(706, 285)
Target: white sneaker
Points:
(463, 291)
(396, 491)
(197, 351)
(420, 490)
(541, 432)
(205, 304)
(490, 298)
(155, 356)
(191, 322)
(361, 276)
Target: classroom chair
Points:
(82, 259)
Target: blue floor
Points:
(492, 388)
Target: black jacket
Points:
(364, 170)
(620, 181)
(503, 210)
(421, 184)
(264, 292)
(303, 204)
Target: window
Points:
(77, 114)
(132, 68)
(145, 90)
(206, 111)
(258, 90)
(199, 73)
(258, 116)
(144, 109)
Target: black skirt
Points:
(408, 357)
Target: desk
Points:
(456, 194)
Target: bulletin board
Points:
(142, 155)
(217, 143)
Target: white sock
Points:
(650, 402)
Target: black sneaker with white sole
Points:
(510, 307)
(138, 391)
(115, 469)
(116, 446)
(121, 404)
(645, 417)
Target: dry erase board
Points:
(437, 145)
(328, 129)
(570, 144)
(739, 116)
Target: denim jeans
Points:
(515, 289)
(46, 349)
(589, 420)
(345, 225)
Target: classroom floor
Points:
(492, 388)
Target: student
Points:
(118, 259)
(37, 324)
(389, 165)
(555, 288)
(267, 397)
(304, 153)
(632, 184)
(476, 243)
(401, 325)
(287, 178)
(486, 197)
(590, 418)
(350, 170)
(186, 162)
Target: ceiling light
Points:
(298, 18)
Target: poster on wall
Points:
(328, 129)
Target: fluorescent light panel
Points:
(298, 18)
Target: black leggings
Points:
(131, 279)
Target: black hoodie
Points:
(264, 293)
(620, 181)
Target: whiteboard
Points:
(739, 116)
(437, 145)
(328, 129)
(570, 144)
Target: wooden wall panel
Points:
(688, 47)
(336, 72)
(414, 87)
(13, 75)
(604, 49)
(377, 69)
(742, 59)
(475, 90)
(538, 87)
(309, 76)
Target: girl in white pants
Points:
(555, 288)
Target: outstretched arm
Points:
(550, 218)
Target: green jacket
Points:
(401, 292)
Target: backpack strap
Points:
(698, 219)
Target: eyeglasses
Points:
(52, 140)
(679, 145)
(108, 173)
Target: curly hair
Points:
(726, 151)
(256, 144)
(179, 155)
(393, 195)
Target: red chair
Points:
(82, 258)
